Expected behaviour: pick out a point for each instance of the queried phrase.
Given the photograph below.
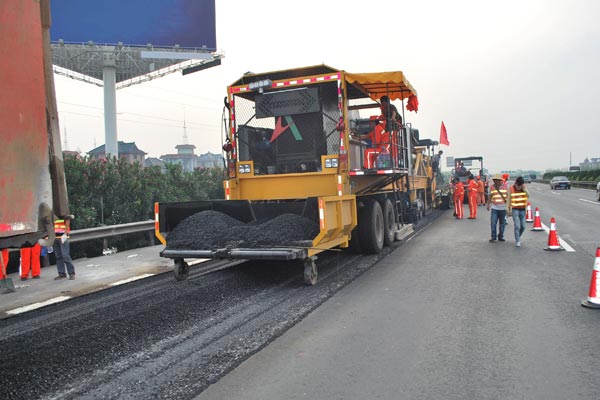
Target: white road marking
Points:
(37, 305)
(589, 201)
(135, 278)
(195, 261)
(564, 244)
(556, 193)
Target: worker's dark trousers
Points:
(62, 251)
(498, 217)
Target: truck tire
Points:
(389, 222)
(371, 227)
(354, 246)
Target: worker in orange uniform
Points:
(30, 261)
(381, 135)
(472, 197)
(459, 195)
(480, 191)
(380, 140)
(3, 263)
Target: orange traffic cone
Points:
(528, 215)
(537, 223)
(593, 299)
(553, 243)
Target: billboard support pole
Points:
(109, 74)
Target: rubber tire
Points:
(311, 274)
(354, 245)
(371, 228)
(389, 223)
(181, 270)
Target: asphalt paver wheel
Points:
(389, 222)
(181, 270)
(371, 227)
(310, 272)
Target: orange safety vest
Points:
(498, 196)
(518, 199)
(60, 227)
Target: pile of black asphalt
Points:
(208, 230)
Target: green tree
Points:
(112, 192)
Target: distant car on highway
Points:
(560, 182)
(527, 178)
(598, 191)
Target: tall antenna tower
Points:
(66, 141)
(185, 136)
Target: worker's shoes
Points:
(71, 277)
(36, 277)
(492, 240)
(23, 278)
(60, 277)
(518, 244)
(501, 240)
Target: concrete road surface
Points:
(446, 316)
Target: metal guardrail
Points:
(103, 232)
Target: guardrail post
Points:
(151, 238)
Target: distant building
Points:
(589, 164)
(185, 156)
(127, 151)
(154, 162)
(71, 153)
(210, 160)
(191, 161)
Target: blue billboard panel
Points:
(163, 23)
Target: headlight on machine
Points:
(331, 163)
(247, 168)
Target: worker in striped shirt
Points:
(516, 206)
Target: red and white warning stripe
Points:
(291, 82)
(321, 214)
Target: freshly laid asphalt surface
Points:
(158, 338)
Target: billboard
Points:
(162, 23)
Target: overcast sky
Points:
(517, 82)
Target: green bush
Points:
(115, 192)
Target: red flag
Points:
(444, 135)
(413, 103)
